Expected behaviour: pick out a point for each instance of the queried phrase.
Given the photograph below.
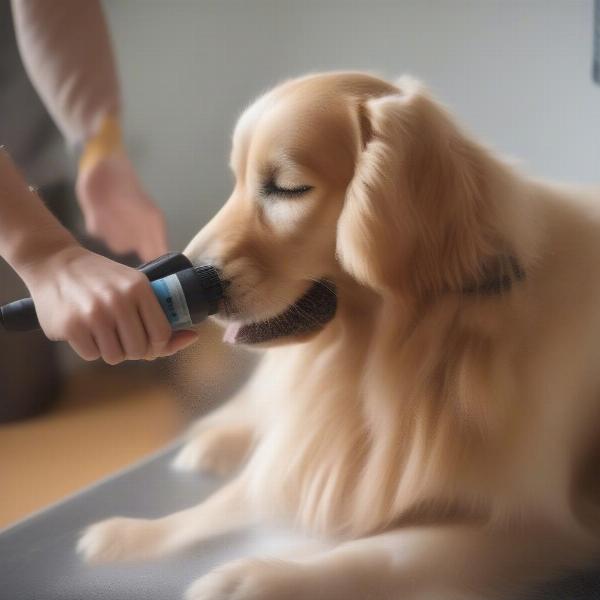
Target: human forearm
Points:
(66, 49)
(28, 231)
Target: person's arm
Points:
(66, 49)
(100, 307)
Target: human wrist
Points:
(106, 141)
(34, 258)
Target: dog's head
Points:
(340, 176)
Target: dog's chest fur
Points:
(364, 428)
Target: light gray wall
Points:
(517, 73)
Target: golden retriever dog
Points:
(429, 397)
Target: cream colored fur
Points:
(445, 441)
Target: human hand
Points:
(117, 210)
(100, 307)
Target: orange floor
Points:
(107, 419)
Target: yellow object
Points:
(106, 141)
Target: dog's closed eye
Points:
(279, 205)
(271, 189)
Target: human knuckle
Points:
(71, 325)
(137, 352)
(89, 355)
(113, 300)
(55, 334)
(138, 285)
(113, 359)
(93, 313)
(92, 227)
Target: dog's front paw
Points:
(249, 579)
(219, 450)
(120, 539)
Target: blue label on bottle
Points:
(170, 294)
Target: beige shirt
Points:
(65, 47)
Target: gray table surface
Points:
(38, 560)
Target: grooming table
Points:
(38, 560)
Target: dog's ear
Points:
(415, 214)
